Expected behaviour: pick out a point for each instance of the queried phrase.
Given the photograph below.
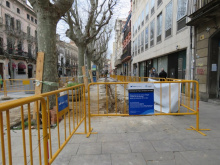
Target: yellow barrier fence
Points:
(116, 100)
(27, 85)
(17, 85)
(52, 140)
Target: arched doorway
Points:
(30, 71)
(214, 66)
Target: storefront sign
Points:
(141, 98)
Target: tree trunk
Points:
(89, 66)
(47, 37)
(11, 69)
(81, 53)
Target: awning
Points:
(21, 66)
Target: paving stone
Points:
(141, 146)
(89, 148)
(180, 160)
(69, 150)
(109, 138)
(158, 156)
(164, 162)
(200, 144)
(128, 159)
(206, 157)
(82, 139)
(167, 145)
(131, 137)
(91, 160)
(162, 135)
(115, 147)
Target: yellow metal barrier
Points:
(53, 141)
(188, 100)
(18, 85)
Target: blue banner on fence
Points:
(62, 102)
(141, 99)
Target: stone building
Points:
(67, 58)
(118, 46)
(18, 39)
(205, 16)
(160, 38)
(126, 41)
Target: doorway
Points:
(30, 71)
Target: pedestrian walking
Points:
(162, 74)
(154, 73)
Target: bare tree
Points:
(48, 14)
(96, 48)
(83, 32)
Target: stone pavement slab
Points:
(128, 159)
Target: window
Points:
(1, 45)
(139, 43)
(139, 22)
(159, 2)
(7, 21)
(35, 21)
(21, 68)
(142, 18)
(18, 25)
(32, 19)
(18, 10)
(142, 41)
(19, 48)
(181, 10)
(28, 30)
(152, 6)
(35, 33)
(8, 4)
(29, 50)
(146, 38)
(181, 14)
(135, 46)
(159, 27)
(152, 33)
(168, 19)
(9, 45)
(147, 12)
(28, 16)
(136, 27)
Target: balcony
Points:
(126, 53)
(30, 38)
(128, 29)
(202, 11)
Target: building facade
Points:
(160, 38)
(67, 58)
(205, 18)
(18, 40)
(126, 56)
(118, 46)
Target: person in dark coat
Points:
(163, 74)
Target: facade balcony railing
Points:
(195, 5)
(10, 30)
(128, 29)
(126, 52)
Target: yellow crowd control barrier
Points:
(52, 141)
(27, 85)
(17, 85)
(116, 100)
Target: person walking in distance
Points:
(154, 73)
(162, 74)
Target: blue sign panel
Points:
(62, 102)
(141, 99)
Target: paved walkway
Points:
(149, 140)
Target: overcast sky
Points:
(121, 11)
